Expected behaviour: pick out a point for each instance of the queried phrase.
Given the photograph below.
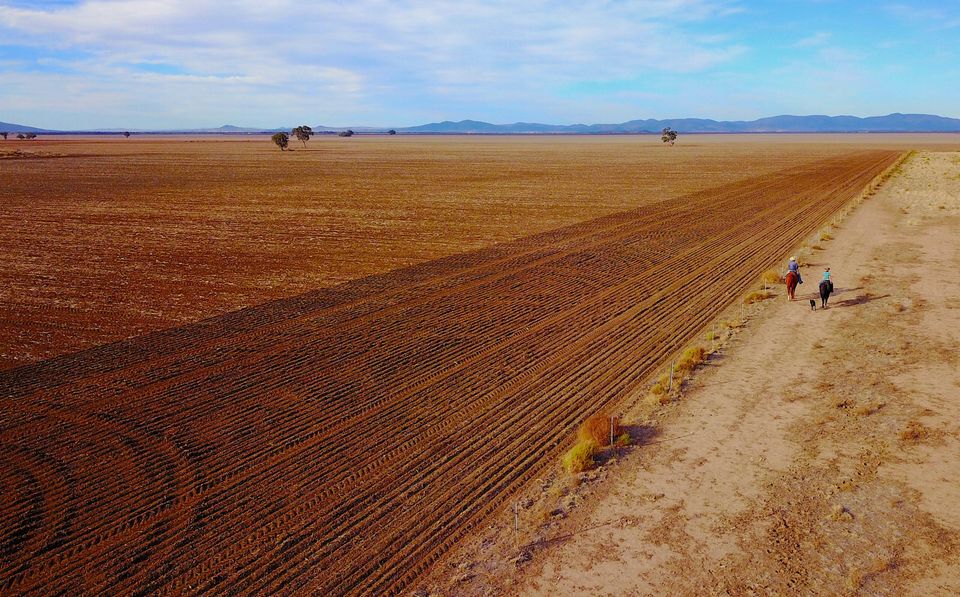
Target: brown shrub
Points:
(597, 429)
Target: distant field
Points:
(107, 238)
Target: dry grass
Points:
(869, 408)
(757, 296)
(842, 403)
(691, 359)
(686, 363)
(857, 577)
(840, 513)
(580, 457)
(657, 399)
(770, 277)
(914, 432)
(825, 235)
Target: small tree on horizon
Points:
(302, 133)
(346, 133)
(31, 136)
(20, 136)
(126, 134)
(391, 132)
(4, 135)
(669, 136)
(281, 139)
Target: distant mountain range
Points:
(19, 128)
(891, 123)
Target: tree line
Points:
(21, 136)
(303, 134)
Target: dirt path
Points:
(822, 457)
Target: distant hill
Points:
(19, 128)
(892, 123)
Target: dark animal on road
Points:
(826, 289)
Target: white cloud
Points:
(820, 38)
(345, 58)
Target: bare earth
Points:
(818, 454)
(105, 238)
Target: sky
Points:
(161, 64)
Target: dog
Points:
(813, 305)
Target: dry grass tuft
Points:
(657, 399)
(858, 578)
(757, 296)
(840, 513)
(914, 432)
(580, 457)
(596, 429)
(825, 235)
(770, 277)
(817, 247)
(869, 408)
(662, 386)
(855, 580)
(691, 358)
(839, 402)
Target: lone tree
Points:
(4, 135)
(669, 136)
(282, 140)
(346, 133)
(126, 133)
(31, 136)
(302, 133)
(391, 132)
(20, 136)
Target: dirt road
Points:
(821, 455)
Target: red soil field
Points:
(110, 238)
(340, 441)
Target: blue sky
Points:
(138, 64)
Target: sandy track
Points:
(821, 456)
(341, 441)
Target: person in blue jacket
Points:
(795, 268)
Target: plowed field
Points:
(341, 441)
(109, 238)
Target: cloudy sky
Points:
(71, 64)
